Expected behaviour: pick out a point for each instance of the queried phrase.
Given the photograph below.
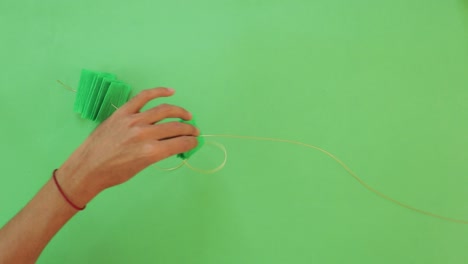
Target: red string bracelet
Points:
(63, 193)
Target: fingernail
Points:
(171, 90)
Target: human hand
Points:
(123, 145)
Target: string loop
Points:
(199, 170)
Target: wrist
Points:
(75, 186)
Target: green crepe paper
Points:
(92, 102)
(86, 96)
(106, 81)
(201, 142)
(97, 92)
(117, 95)
(124, 95)
(86, 80)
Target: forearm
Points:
(26, 235)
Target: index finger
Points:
(136, 103)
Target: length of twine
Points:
(352, 173)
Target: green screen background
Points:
(381, 84)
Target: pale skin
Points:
(125, 144)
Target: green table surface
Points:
(383, 85)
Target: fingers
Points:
(161, 112)
(169, 138)
(136, 103)
(177, 145)
(171, 130)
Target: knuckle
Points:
(148, 150)
(181, 128)
(145, 94)
(164, 107)
(137, 132)
(132, 121)
(177, 126)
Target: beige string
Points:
(357, 178)
(73, 90)
(170, 169)
(220, 167)
(66, 86)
